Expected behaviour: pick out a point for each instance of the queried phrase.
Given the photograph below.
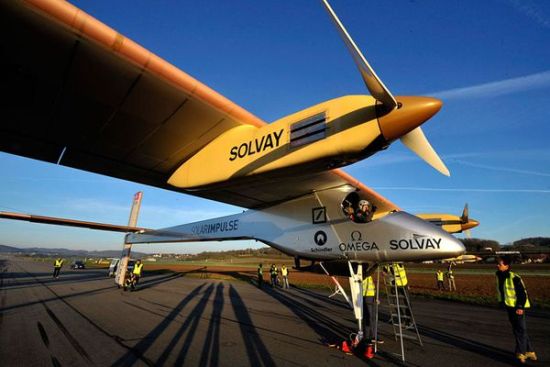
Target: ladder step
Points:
(410, 327)
(400, 306)
(405, 336)
(402, 316)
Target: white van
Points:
(114, 266)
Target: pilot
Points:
(350, 213)
(363, 214)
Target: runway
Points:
(83, 319)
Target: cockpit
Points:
(357, 209)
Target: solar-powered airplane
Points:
(82, 95)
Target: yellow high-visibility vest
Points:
(137, 269)
(260, 270)
(369, 289)
(284, 271)
(58, 263)
(510, 297)
(400, 275)
(440, 275)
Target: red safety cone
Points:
(346, 348)
(369, 352)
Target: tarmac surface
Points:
(83, 319)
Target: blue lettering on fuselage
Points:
(216, 227)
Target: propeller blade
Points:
(417, 142)
(468, 233)
(375, 86)
(465, 214)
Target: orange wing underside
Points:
(79, 93)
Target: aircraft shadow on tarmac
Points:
(31, 279)
(256, 350)
(147, 283)
(303, 303)
(137, 352)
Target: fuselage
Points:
(315, 227)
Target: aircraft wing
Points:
(77, 93)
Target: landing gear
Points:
(356, 303)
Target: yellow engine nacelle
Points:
(329, 135)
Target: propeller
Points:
(419, 144)
(392, 127)
(466, 222)
(465, 214)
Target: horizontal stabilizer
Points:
(71, 222)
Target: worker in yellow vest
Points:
(58, 263)
(513, 296)
(260, 275)
(274, 272)
(440, 282)
(369, 316)
(136, 274)
(400, 279)
(400, 275)
(284, 273)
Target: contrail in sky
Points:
(501, 169)
(498, 88)
(532, 11)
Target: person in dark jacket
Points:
(513, 296)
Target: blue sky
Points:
(488, 61)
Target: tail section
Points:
(127, 247)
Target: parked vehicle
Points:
(114, 266)
(78, 265)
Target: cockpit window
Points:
(357, 209)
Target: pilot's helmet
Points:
(363, 203)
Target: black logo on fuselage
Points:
(357, 244)
(320, 238)
(258, 145)
(356, 236)
(319, 215)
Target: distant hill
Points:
(65, 252)
(4, 248)
(479, 244)
(532, 242)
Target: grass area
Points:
(476, 300)
(481, 271)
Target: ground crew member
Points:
(451, 279)
(136, 273)
(512, 295)
(284, 273)
(273, 272)
(58, 263)
(400, 277)
(440, 283)
(369, 317)
(260, 275)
